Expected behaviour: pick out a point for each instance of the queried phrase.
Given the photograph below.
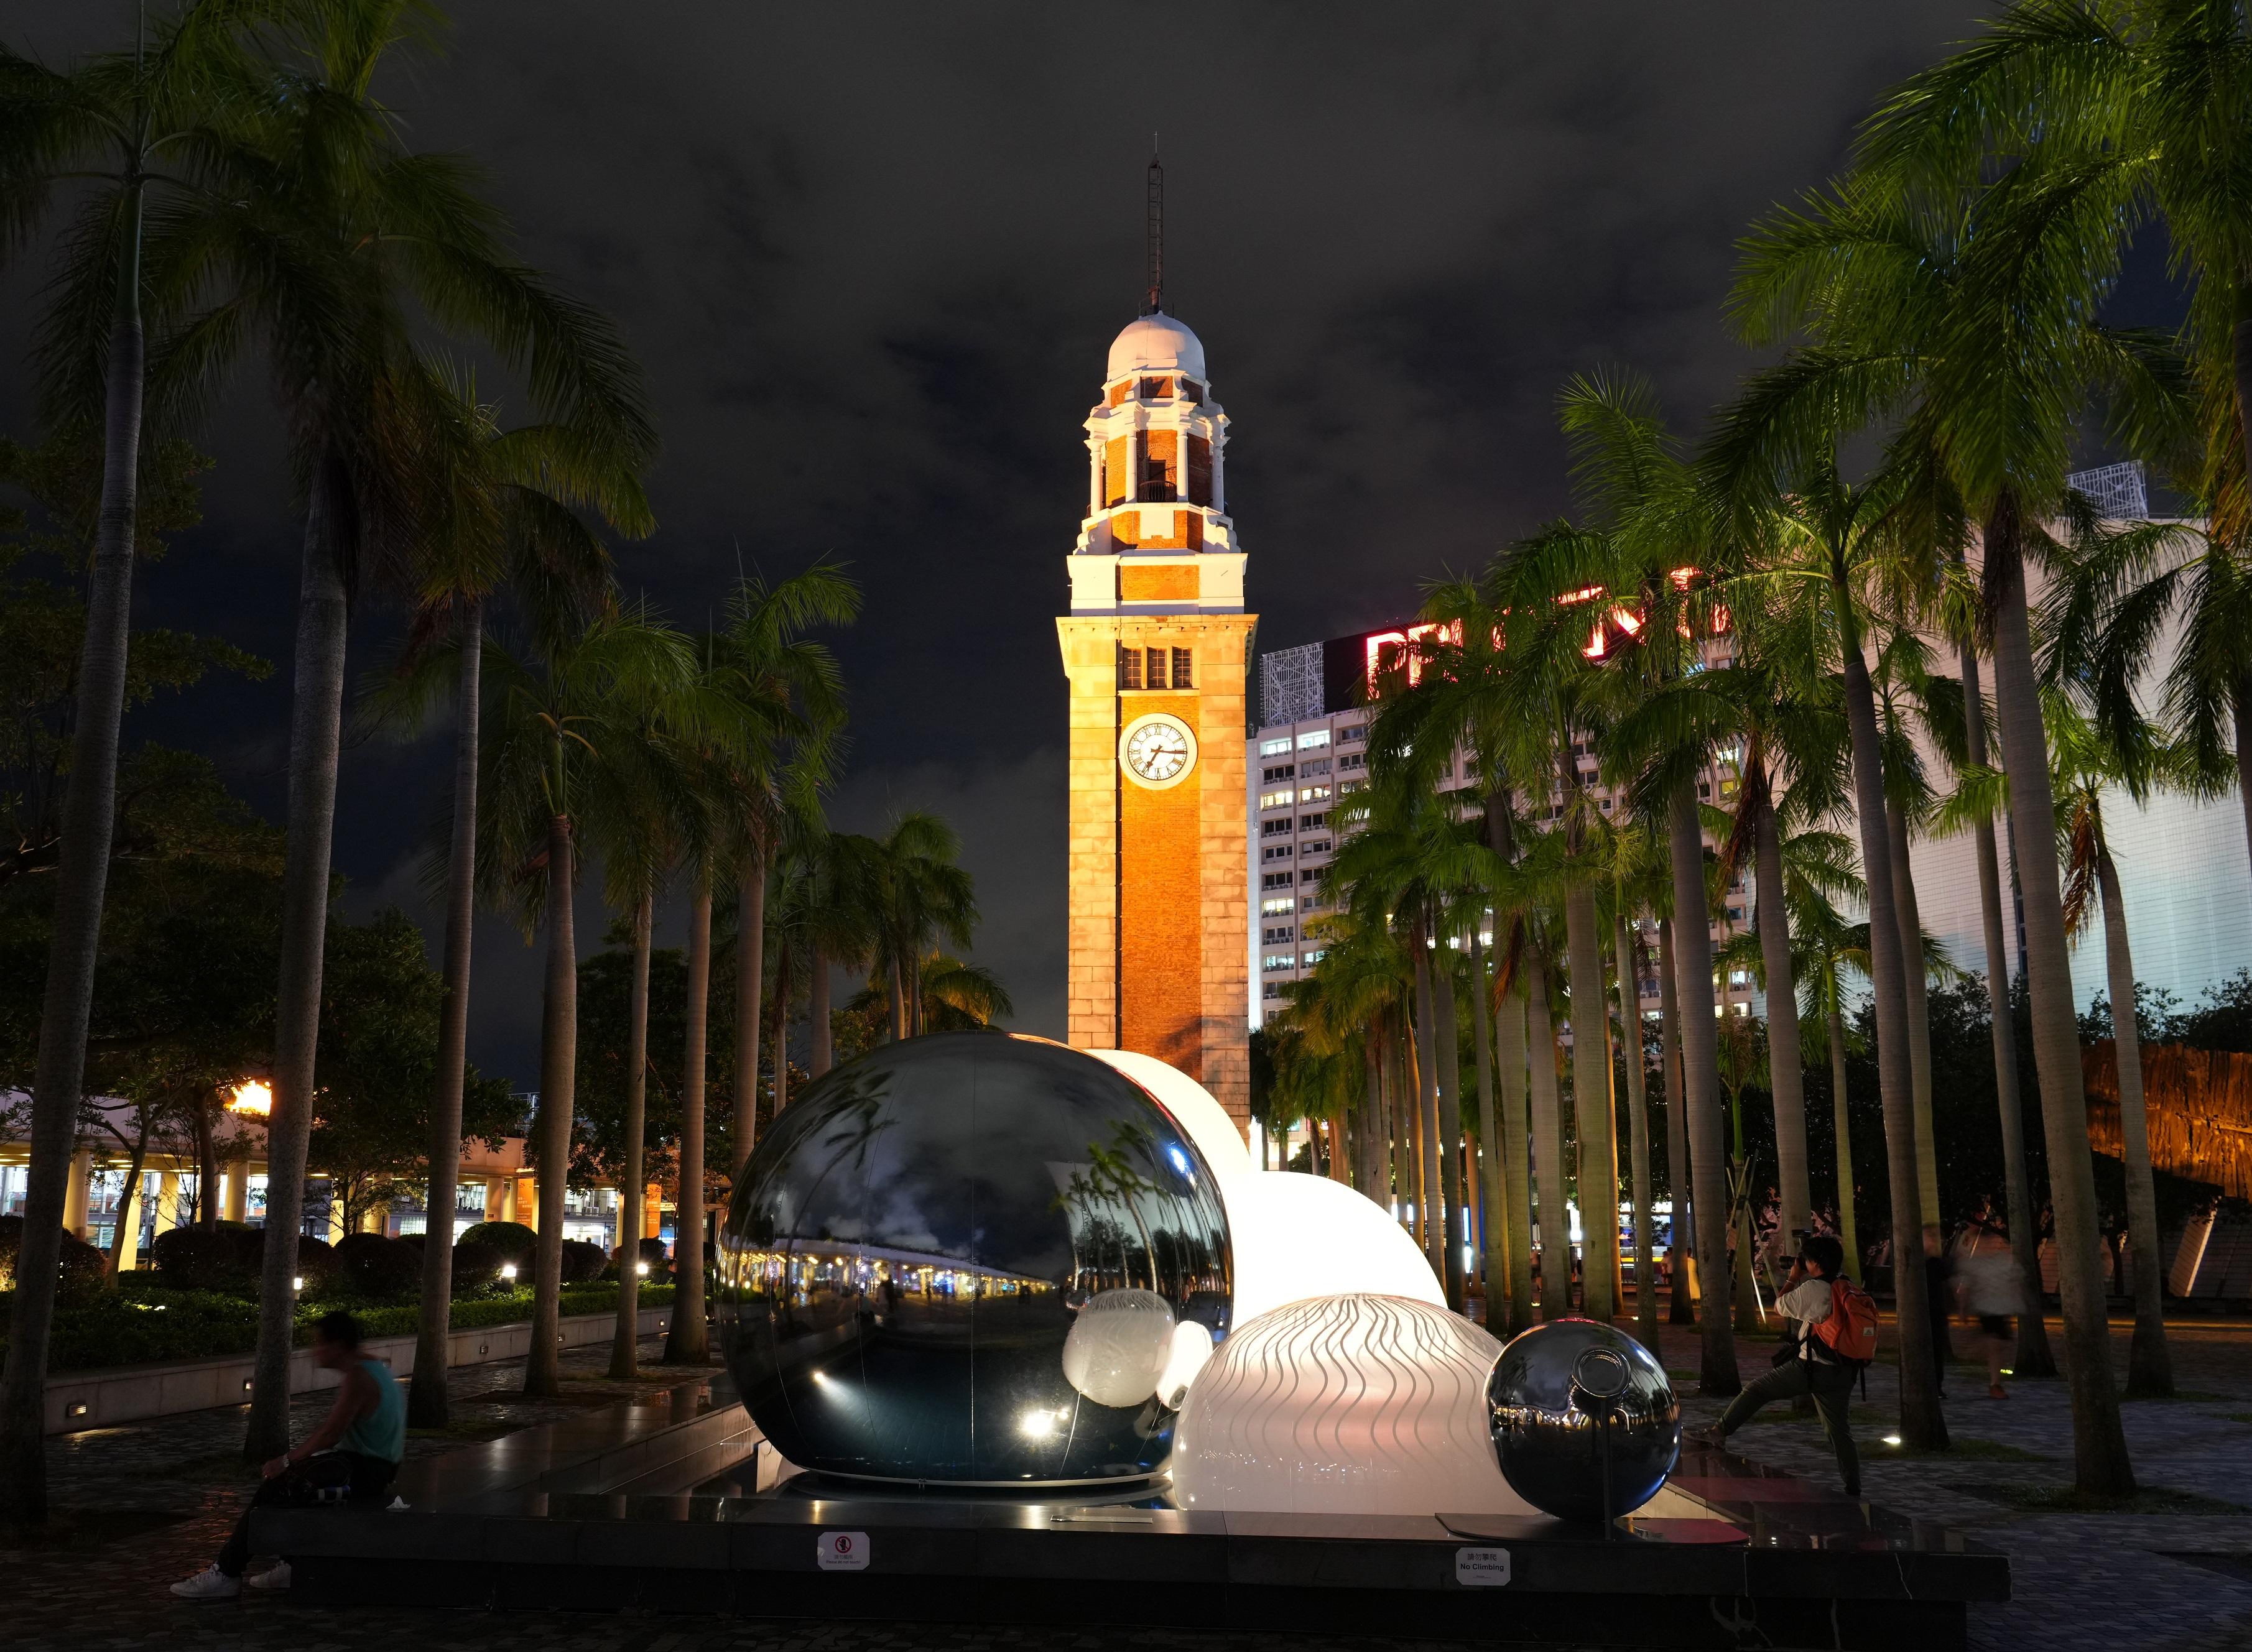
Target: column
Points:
(335, 1223)
(373, 1219)
(75, 1196)
(129, 1245)
(236, 1205)
(167, 1207)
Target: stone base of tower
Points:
(1159, 945)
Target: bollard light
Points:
(298, 1283)
(507, 1270)
(642, 1269)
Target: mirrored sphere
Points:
(968, 1257)
(1548, 1399)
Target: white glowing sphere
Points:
(1191, 1351)
(1202, 1119)
(1118, 1347)
(1296, 1236)
(1345, 1404)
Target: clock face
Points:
(1158, 751)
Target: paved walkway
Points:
(146, 1503)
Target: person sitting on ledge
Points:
(354, 1452)
(1812, 1367)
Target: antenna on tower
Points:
(1157, 298)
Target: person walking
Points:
(1991, 1289)
(354, 1452)
(1812, 1362)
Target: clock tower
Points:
(1155, 647)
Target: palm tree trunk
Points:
(1516, 1164)
(89, 818)
(1549, 1206)
(750, 982)
(1678, 1252)
(900, 1004)
(781, 1035)
(2034, 1356)
(559, 1070)
(625, 1341)
(315, 740)
(1786, 1063)
(129, 1191)
(2150, 1365)
(1700, 1074)
(1431, 1207)
(1494, 1229)
(2099, 1460)
(1637, 1118)
(687, 1341)
(1848, 1234)
(1913, 985)
(427, 1405)
(559, 1086)
(1592, 1108)
(824, 1055)
(1923, 1424)
(1371, 1181)
(1447, 1037)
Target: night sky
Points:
(871, 258)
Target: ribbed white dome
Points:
(1156, 341)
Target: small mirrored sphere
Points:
(1573, 1400)
(970, 1258)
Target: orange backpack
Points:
(1851, 1330)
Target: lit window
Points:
(1314, 765)
(1279, 961)
(1313, 958)
(1276, 799)
(1277, 904)
(1275, 748)
(1313, 794)
(1350, 733)
(1319, 737)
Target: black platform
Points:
(674, 1503)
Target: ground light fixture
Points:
(507, 1270)
(1892, 1440)
(642, 1269)
(297, 1283)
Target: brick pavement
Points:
(150, 1502)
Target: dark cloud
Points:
(873, 256)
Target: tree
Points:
(129, 122)
(922, 896)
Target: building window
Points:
(1183, 667)
(1199, 469)
(1314, 765)
(1274, 827)
(1276, 799)
(1736, 914)
(1277, 772)
(1275, 904)
(1157, 390)
(1313, 958)
(1350, 733)
(1346, 789)
(1313, 794)
(1271, 989)
(1130, 667)
(1312, 822)
(1352, 760)
(1154, 676)
(1317, 739)
(1278, 933)
(1277, 880)
(1278, 961)
(1273, 748)
(1469, 767)
(1275, 852)
(1312, 903)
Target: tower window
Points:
(1183, 667)
(1191, 391)
(1130, 667)
(1155, 677)
(1157, 390)
(1161, 467)
(1199, 470)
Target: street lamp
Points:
(254, 1096)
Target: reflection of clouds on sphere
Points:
(1545, 1427)
(901, 1260)
(1118, 1345)
(1343, 1405)
(1191, 1105)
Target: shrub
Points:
(513, 1240)
(477, 1266)
(205, 1258)
(83, 1271)
(583, 1262)
(378, 1269)
(650, 1251)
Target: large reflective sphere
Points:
(972, 1257)
(1548, 1396)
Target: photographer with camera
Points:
(1832, 1336)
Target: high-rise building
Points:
(1155, 647)
(1311, 751)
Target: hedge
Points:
(153, 1326)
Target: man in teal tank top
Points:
(355, 1452)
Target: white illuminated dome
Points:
(1158, 343)
(1296, 1236)
(1201, 1117)
(1345, 1404)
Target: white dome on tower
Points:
(1156, 342)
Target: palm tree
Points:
(509, 515)
(841, 920)
(2087, 766)
(764, 642)
(1743, 1064)
(1971, 325)
(366, 242)
(1677, 1178)
(1830, 948)
(138, 123)
(568, 732)
(922, 896)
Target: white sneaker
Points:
(210, 1584)
(277, 1579)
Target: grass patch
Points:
(2239, 1416)
(1962, 1449)
(2180, 1397)
(2070, 1499)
